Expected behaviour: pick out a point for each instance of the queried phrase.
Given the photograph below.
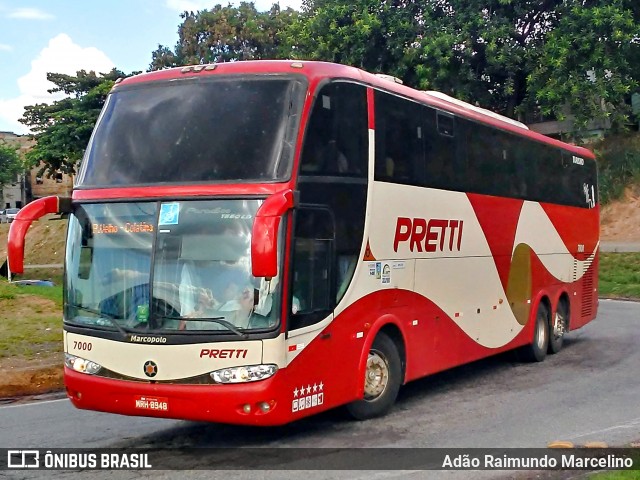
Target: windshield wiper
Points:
(112, 318)
(218, 320)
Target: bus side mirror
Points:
(19, 227)
(264, 236)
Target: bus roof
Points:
(315, 71)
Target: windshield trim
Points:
(173, 337)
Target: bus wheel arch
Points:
(559, 323)
(383, 374)
(536, 351)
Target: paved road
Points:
(620, 247)
(589, 392)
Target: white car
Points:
(11, 214)
(3, 217)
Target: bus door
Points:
(313, 263)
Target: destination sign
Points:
(129, 227)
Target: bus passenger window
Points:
(336, 136)
(440, 152)
(399, 140)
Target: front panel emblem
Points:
(150, 369)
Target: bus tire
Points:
(382, 380)
(536, 351)
(558, 327)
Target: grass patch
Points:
(30, 320)
(619, 275)
(622, 475)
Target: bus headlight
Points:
(81, 365)
(249, 373)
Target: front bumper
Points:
(234, 404)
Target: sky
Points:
(64, 36)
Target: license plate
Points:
(152, 403)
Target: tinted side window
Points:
(444, 150)
(491, 164)
(399, 140)
(336, 135)
(503, 164)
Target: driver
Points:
(237, 310)
(241, 308)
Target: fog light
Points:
(72, 394)
(264, 406)
(246, 408)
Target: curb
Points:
(31, 381)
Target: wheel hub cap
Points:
(376, 375)
(558, 326)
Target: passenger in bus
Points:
(325, 157)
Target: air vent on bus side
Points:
(587, 282)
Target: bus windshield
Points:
(166, 266)
(216, 129)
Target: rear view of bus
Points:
(256, 242)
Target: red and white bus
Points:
(256, 242)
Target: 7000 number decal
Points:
(82, 345)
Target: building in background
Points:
(30, 186)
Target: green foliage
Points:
(618, 164)
(224, 34)
(369, 34)
(62, 129)
(10, 163)
(586, 64)
(482, 50)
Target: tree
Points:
(589, 63)
(369, 34)
(10, 164)
(63, 128)
(483, 50)
(225, 34)
(513, 56)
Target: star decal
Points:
(315, 387)
(295, 393)
(308, 389)
(321, 386)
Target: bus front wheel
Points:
(382, 380)
(536, 351)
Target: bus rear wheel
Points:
(382, 380)
(536, 351)
(558, 327)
